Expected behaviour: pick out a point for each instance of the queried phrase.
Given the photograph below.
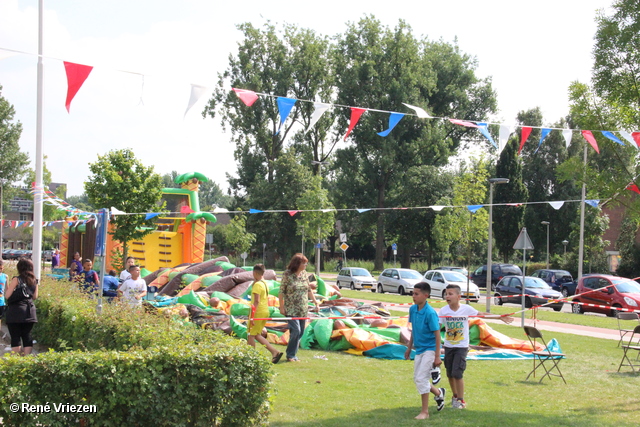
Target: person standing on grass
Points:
(134, 288)
(425, 337)
(55, 259)
(455, 318)
(260, 309)
(294, 297)
(3, 286)
(21, 311)
(77, 262)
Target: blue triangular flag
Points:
(252, 211)
(612, 137)
(593, 202)
(482, 127)
(151, 215)
(362, 210)
(474, 208)
(394, 118)
(284, 107)
(543, 135)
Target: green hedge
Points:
(136, 368)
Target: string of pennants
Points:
(77, 74)
(285, 105)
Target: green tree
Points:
(508, 220)
(389, 67)
(121, 181)
(81, 202)
(13, 162)
(457, 230)
(236, 235)
(315, 225)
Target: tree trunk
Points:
(379, 265)
(405, 255)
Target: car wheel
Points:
(528, 303)
(577, 308)
(614, 311)
(380, 290)
(557, 308)
(497, 300)
(565, 292)
(444, 294)
(401, 290)
(352, 287)
(338, 285)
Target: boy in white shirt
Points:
(134, 288)
(455, 318)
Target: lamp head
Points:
(545, 223)
(498, 180)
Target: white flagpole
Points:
(37, 202)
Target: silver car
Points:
(440, 279)
(356, 278)
(400, 280)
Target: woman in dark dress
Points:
(20, 314)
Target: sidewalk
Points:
(566, 328)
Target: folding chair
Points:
(624, 317)
(631, 346)
(542, 357)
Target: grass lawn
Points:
(348, 390)
(595, 320)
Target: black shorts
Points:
(455, 361)
(2, 308)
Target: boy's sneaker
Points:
(440, 399)
(454, 403)
(435, 375)
(461, 404)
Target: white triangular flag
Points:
(437, 208)
(503, 136)
(320, 109)
(567, 133)
(196, 93)
(419, 111)
(115, 211)
(556, 205)
(626, 135)
(220, 210)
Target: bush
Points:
(137, 368)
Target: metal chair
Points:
(635, 335)
(540, 358)
(625, 317)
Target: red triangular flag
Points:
(246, 96)
(526, 131)
(633, 187)
(636, 138)
(355, 116)
(186, 209)
(76, 75)
(292, 213)
(591, 140)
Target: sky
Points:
(147, 53)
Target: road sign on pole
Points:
(344, 247)
(343, 237)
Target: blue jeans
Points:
(296, 328)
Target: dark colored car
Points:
(5, 253)
(13, 254)
(498, 271)
(608, 294)
(559, 280)
(536, 291)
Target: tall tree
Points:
(508, 220)
(13, 162)
(121, 181)
(389, 67)
(317, 224)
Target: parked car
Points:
(536, 290)
(609, 292)
(559, 280)
(460, 270)
(498, 271)
(356, 278)
(5, 253)
(440, 279)
(400, 280)
(46, 255)
(13, 254)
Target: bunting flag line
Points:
(356, 113)
(76, 75)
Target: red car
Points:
(618, 292)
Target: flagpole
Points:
(37, 203)
(582, 203)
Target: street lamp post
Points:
(492, 181)
(547, 224)
(565, 243)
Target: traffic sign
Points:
(523, 241)
(394, 247)
(244, 255)
(318, 245)
(343, 237)
(344, 246)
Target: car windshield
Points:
(360, 272)
(410, 274)
(534, 282)
(452, 276)
(627, 286)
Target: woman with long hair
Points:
(294, 297)
(20, 314)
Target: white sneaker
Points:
(454, 403)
